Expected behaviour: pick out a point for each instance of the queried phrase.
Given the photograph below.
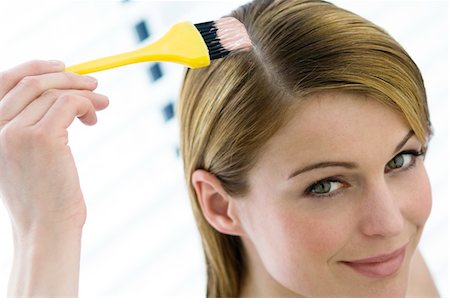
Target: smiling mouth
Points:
(379, 266)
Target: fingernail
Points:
(56, 63)
(91, 79)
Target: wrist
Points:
(46, 239)
(50, 223)
(46, 262)
(40, 233)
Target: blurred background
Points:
(140, 237)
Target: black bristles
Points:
(210, 36)
(213, 47)
(219, 55)
(208, 30)
(204, 25)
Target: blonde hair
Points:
(228, 110)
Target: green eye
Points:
(321, 187)
(325, 188)
(397, 162)
(403, 160)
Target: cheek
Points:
(296, 247)
(417, 206)
(314, 238)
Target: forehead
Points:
(335, 125)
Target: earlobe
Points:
(215, 203)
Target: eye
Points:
(403, 160)
(325, 188)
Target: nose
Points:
(381, 213)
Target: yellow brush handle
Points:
(182, 44)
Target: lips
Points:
(379, 266)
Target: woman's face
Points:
(337, 203)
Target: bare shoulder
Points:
(421, 283)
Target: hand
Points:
(39, 183)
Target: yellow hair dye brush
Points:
(192, 45)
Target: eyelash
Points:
(414, 153)
(309, 190)
(310, 193)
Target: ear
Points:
(217, 206)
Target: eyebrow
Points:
(325, 164)
(403, 142)
(344, 164)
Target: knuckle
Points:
(36, 64)
(30, 83)
(87, 94)
(66, 98)
(71, 78)
(17, 142)
(16, 139)
(4, 78)
(39, 135)
(51, 93)
(8, 134)
(10, 139)
(69, 75)
(40, 138)
(4, 116)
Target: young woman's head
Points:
(302, 156)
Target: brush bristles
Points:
(224, 36)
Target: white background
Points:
(140, 238)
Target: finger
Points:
(10, 78)
(62, 113)
(30, 88)
(100, 103)
(39, 107)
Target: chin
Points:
(379, 291)
(394, 287)
(391, 293)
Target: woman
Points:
(303, 157)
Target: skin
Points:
(295, 242)
(39, 182)
(40, 189)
